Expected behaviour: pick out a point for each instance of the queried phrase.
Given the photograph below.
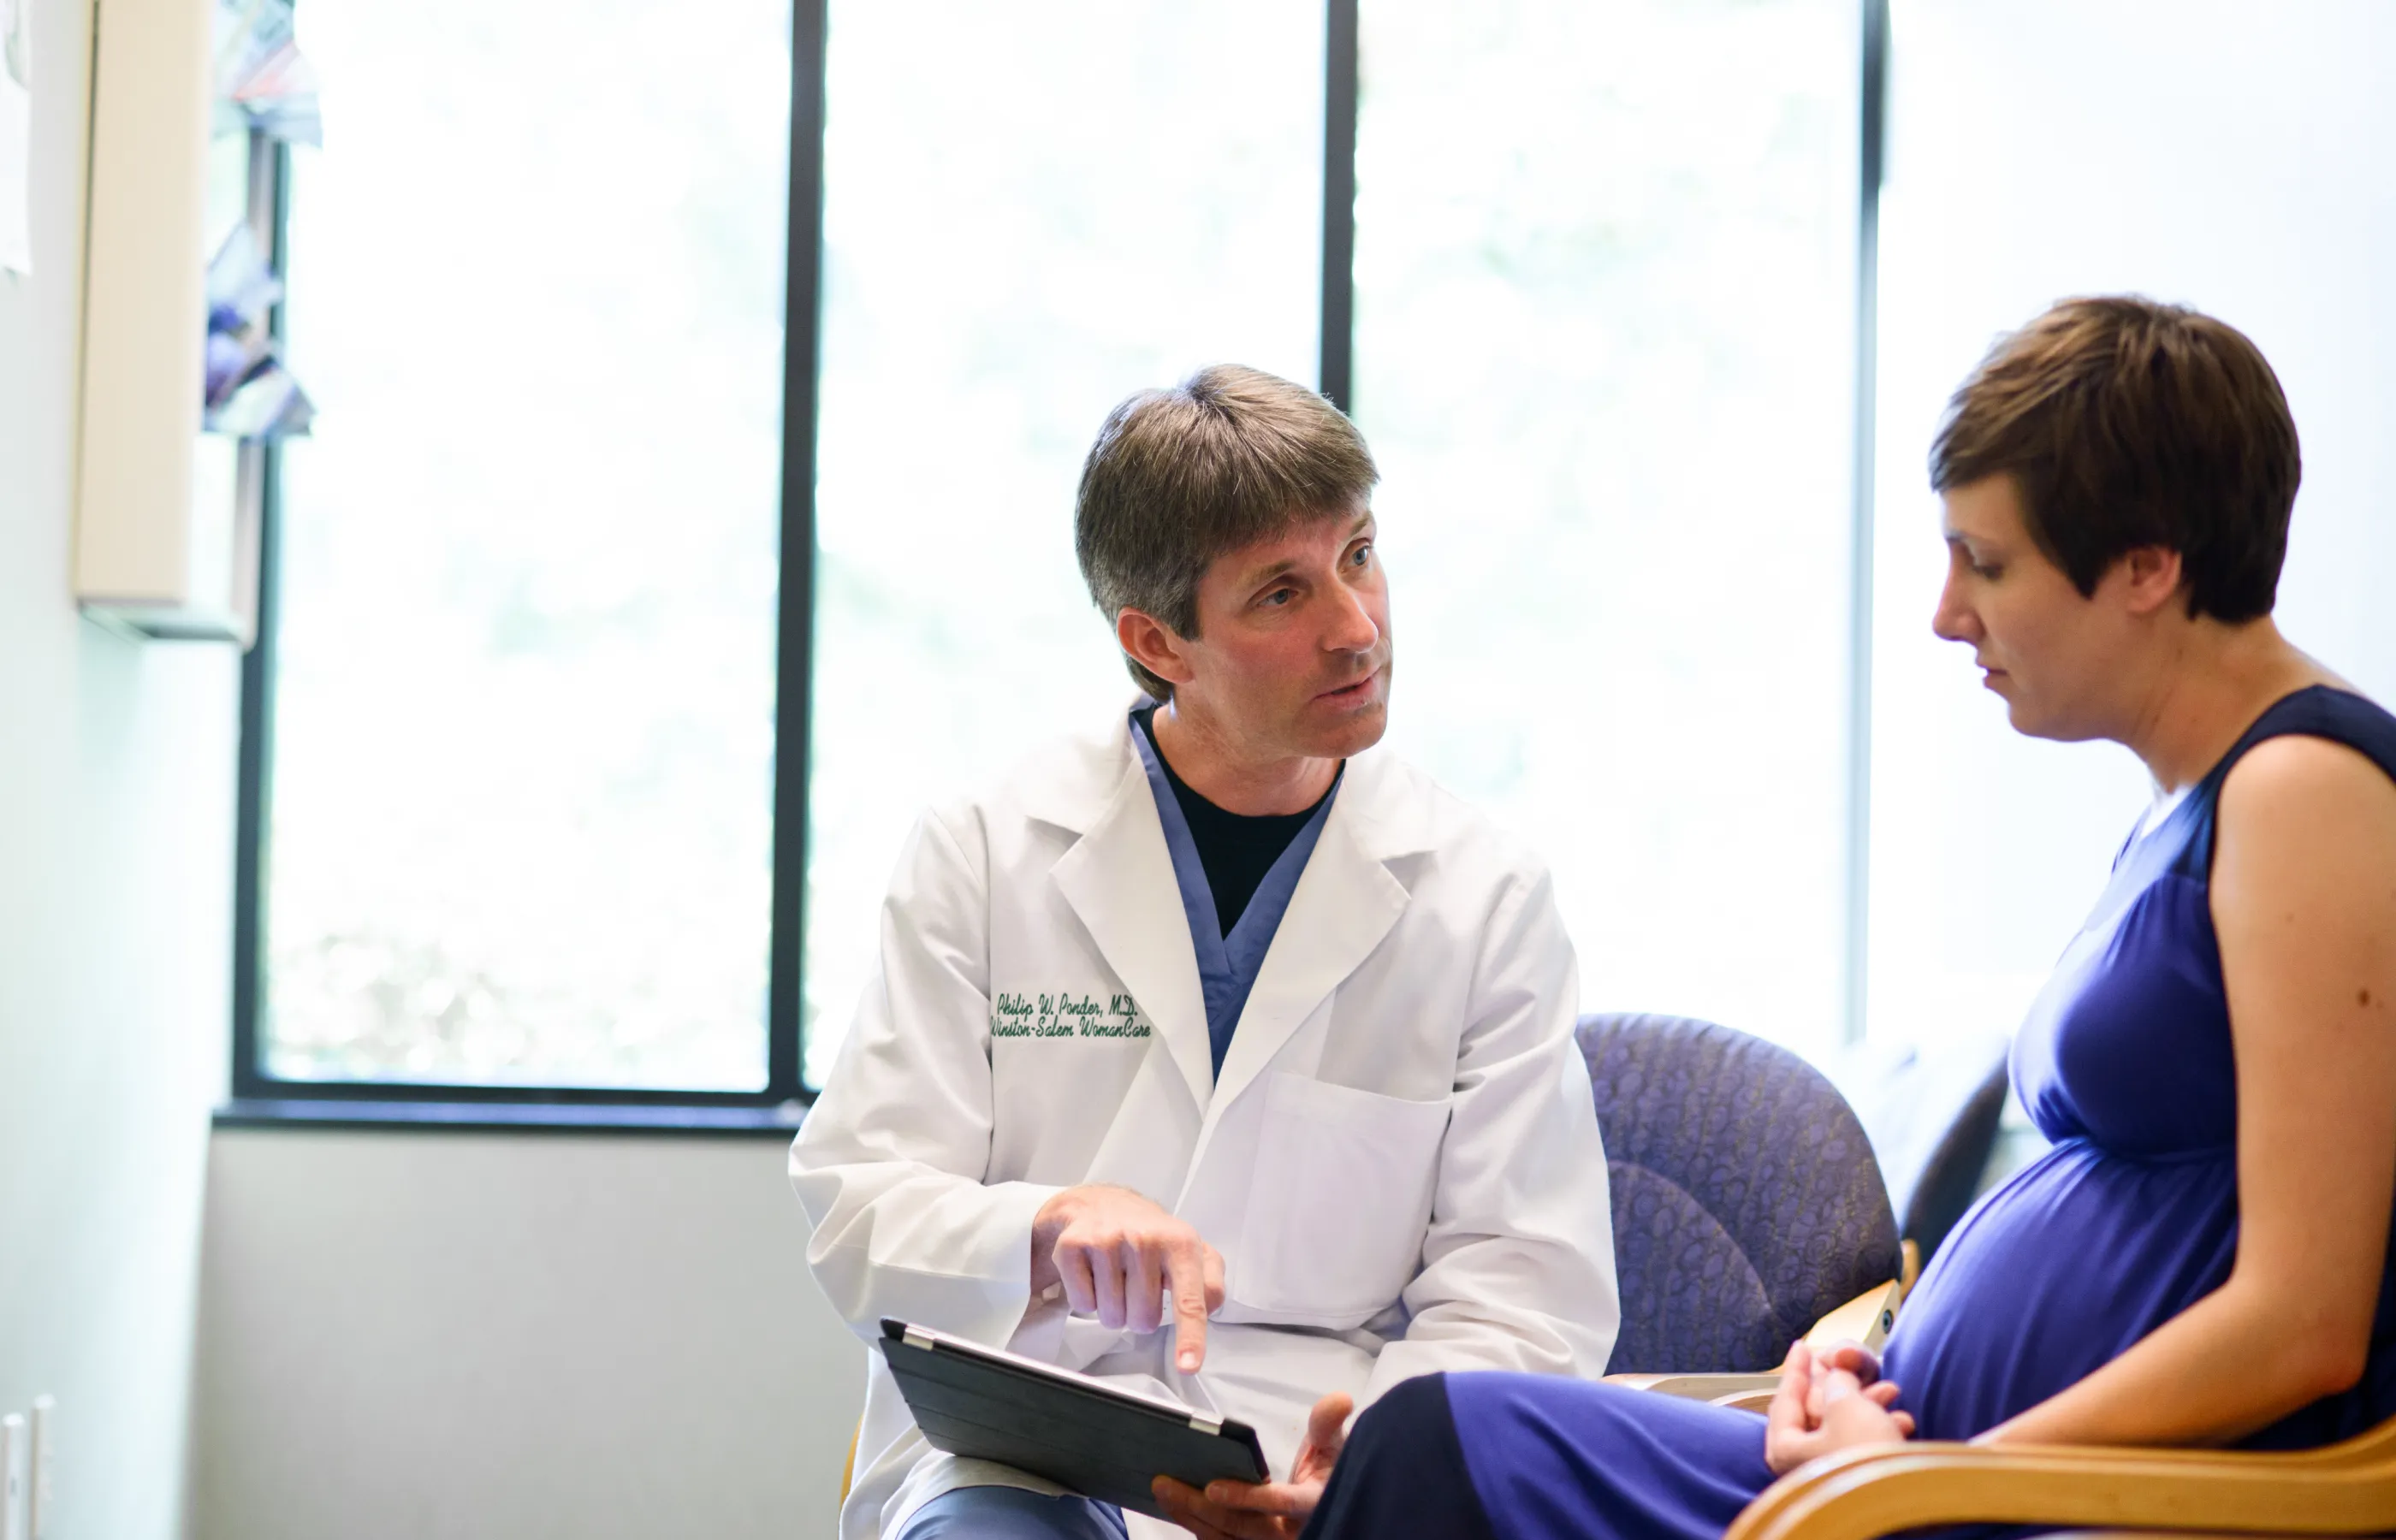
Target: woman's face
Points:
(2055, 656)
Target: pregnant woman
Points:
(2200, 1260)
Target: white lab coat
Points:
(1400, 1164)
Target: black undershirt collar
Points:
(1236, 850)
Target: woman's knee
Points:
(1402, 1473)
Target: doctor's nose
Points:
(1353, 625)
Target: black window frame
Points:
(261, 1099)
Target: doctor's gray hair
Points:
(1229, 457)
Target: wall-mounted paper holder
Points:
(167, 518)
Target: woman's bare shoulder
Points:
(2299, 778)
(2306, 832)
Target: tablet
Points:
(1100, 1440)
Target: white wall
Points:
(468, 1335)
(115, 896)
(412, 1336)
(2215, 152)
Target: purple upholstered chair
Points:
(1747, 1204)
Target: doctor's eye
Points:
(1364, 553)
(1274, 598)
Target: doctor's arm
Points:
(889, 1165)
(1518, 1263)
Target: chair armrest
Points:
(1699, 1386)
(1865, 1319)
(1865, 1493)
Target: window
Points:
(1606, 270)
(523, 682)
(615, 638)
(1021, 228)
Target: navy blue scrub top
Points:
(1228, 960)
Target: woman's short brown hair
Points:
(2127, 423)
(1180, 477)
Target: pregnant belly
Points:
(2056, 1272)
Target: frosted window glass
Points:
(1606, 263)
(521, 815)
(1056, 207)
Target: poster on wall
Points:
(15, 134)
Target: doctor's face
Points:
(1292, 655)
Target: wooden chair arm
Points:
(1865, 1493)
(1712, 1388)
(1864, 1319)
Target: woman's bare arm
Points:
(2304, 902)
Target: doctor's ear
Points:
(1152, 644)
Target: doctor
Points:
(1213, 1053)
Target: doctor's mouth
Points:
(1361, 692)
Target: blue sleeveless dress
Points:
(2125, 1063)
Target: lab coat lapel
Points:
(1119, 879)
(1345, 903)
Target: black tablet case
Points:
(1096, 1440)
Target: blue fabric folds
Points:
(1012, 1513)
(1227, 965)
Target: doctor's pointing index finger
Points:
(1119, 1257)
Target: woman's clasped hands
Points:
(1829, 1400)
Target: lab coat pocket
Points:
(1339, 1204)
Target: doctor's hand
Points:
(1117, 1253)
(1264, 1510)
(1821, 1408)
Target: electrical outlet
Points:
(41, 1463)
(12, 1477)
